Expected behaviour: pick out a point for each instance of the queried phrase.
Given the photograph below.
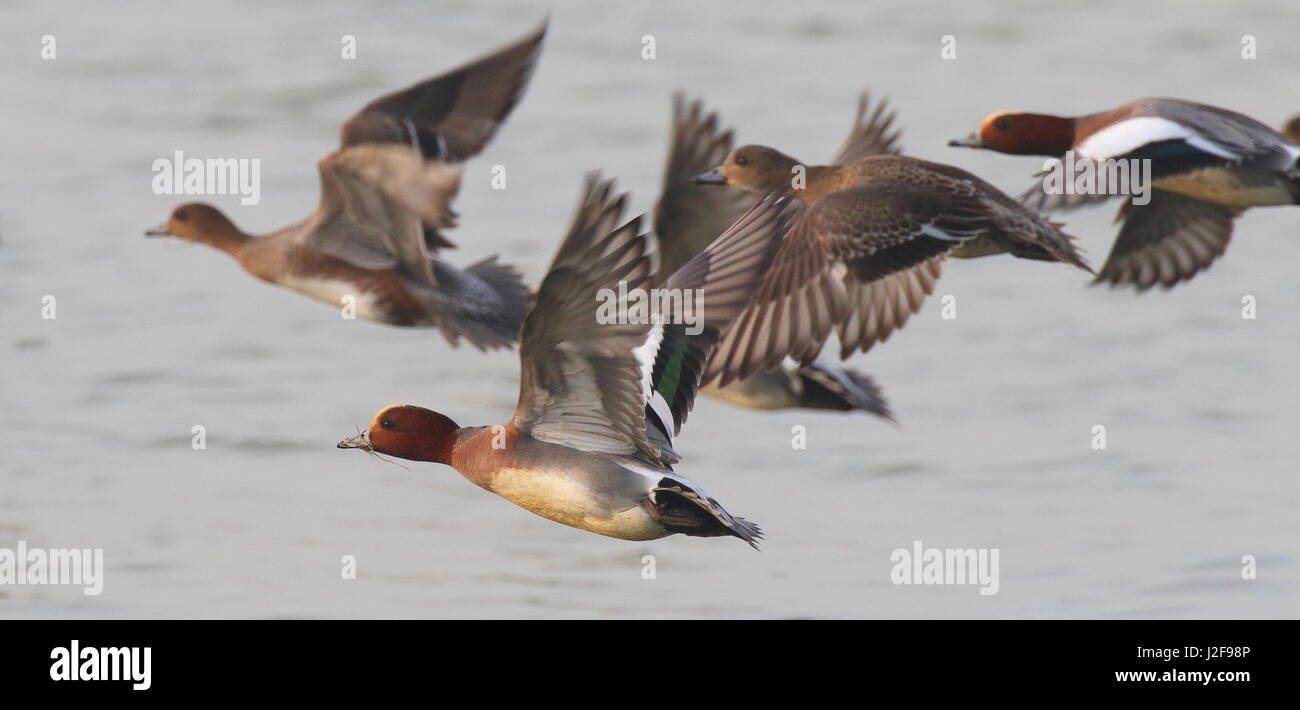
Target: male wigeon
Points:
(866, 250)
(375, 233)
(600, 400)
(1208, 164)
(688, 217)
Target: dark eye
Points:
(386, 423)
(1001, 124)
(181, 216)
(742, 160)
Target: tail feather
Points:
(827, 386)
(747, 530)
(1028, 234)
(682, 508)
(1048, 243)
(1066, 246)
(486, 303)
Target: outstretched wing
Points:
(450, 117)
(589, 357)
(1169, 240)
(878, 308)
(688, 217)
(581, 381)
(719, 283)
(855, 236)
(374, 199)
(870, 134)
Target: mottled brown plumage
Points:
(689, 216)
(881, 217)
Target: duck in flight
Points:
(1208, 165)
(867, 247)
(386, 194)
(591, 444)
(689, 216)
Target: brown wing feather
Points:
(581, 381)
(870, 135)
(1169, 240)
(452, 116)
(853, 236)
(878, 308)
(373, 200)
(688, 216)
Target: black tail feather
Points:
(682, 508)
(828, 386)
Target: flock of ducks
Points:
(784, 252)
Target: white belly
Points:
(339, 293)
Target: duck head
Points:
(1021, 134)
(754, 168)
(202, 223)
(407, 432)
(1292, 129)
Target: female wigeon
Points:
(688, 216)
(374, 235)
(591, 441)
(866, 250)
(1207, 165)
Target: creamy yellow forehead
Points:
(988, 120)
(374, 422)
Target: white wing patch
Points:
(645, 355)
(929, 230)
(1133, 133)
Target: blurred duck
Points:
(385, 196)
(591, 442)
(1208, 164)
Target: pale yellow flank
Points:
(1224, 186)
(568, 502)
